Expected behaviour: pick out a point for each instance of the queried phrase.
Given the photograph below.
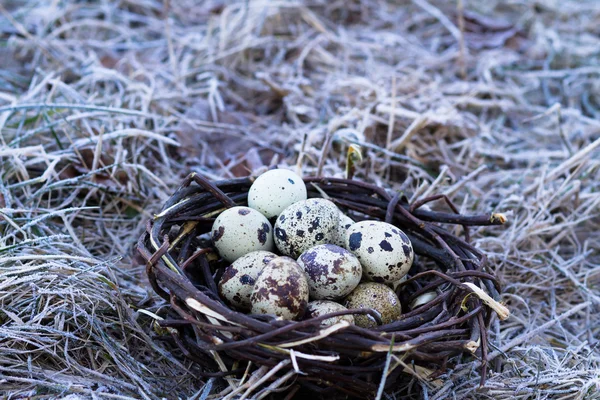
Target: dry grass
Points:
(104, 107)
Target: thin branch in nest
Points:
(266, 377)
(385, 371)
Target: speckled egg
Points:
(344, 224)
(281, 289)
(240, 230)
(384, 251)
(238, 280)
(275, 190)
(321, 307)
(377, 296)
(305, 224)
(332, 271)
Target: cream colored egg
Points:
(332, 271)
(240, 230)
(377, 296)
(305, 224)
(281, 289)
(318, 308)
(238, 279)
(275, 190)
(384, 251)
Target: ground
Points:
(106, 106)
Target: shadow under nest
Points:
(342, 359)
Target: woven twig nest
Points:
(259, 352)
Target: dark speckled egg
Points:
(384, 251)
(238, 280)
(281, 289)
(332, 271)
(306, 224)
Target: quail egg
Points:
(377, 296)
(238, 279)
(281, 289)
(321, 307)
(305, 224)
(240, 230)
(344, 223)
(332, 271)
(384, 251)
(275, 190)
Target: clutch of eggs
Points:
(294, 257)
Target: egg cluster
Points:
(312, 260)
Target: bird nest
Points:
(259, 354)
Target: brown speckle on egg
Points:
(263, 233)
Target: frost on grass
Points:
(103, 108)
